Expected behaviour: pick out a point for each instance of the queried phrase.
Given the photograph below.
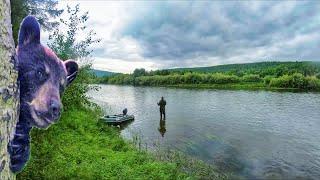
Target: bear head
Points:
(42, 76)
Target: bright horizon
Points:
(161, 34)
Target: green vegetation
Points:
(79, 146)
(45, 11)
(266, 75)
(65, 45)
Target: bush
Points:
(267, 79)
(296, 80)
(251, 78)
(313, 83)
(282, 82)
(219, 78)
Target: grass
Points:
(81, 147)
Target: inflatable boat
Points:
(117, 119)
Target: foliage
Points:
(65, 43)
(251, 78)
(81, 147)
(45, 10)
(297, 75)
(267, 79)
(139, 72)
(296, 80)
(66, 46)
(262, 68)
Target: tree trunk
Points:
(9, 91)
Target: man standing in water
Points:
(162, 103)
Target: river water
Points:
(255, 134)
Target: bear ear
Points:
(72, 70)
(29, 31)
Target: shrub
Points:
(282, 82)
(296, 80)
(313, 83)
(219, 78)
(267, 79)
(251, 78)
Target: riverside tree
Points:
(9, 91)
(67, 44)
(45, 11)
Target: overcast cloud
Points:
(167, 34)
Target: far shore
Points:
(231, 86)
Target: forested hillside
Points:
(255, 67)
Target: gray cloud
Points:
(189, 33)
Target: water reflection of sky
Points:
(257, 134)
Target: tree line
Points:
(298, 75)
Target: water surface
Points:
(256, 134)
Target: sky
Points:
(169, 34)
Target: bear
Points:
(42, 79)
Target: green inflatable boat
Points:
(117, 119)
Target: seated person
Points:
(125, 111)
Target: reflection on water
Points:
(257, 134)
(162, 127)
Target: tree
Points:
(139, 72)
(45, 10)
(68, 45)
(9, 91)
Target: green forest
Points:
(263, 75)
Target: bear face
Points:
(42, 76)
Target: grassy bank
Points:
(80, 147)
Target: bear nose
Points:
(54, 109)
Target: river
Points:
(255, 134)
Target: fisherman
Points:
(162, 103)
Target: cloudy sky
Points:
(168, 34)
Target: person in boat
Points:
(125, 111)
(162, 103)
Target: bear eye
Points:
(40, 74)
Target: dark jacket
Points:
(162, 103)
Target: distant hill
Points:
(247, 66)
(101, 73)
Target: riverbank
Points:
(304, 76)
(231, 86)
(79, 146)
